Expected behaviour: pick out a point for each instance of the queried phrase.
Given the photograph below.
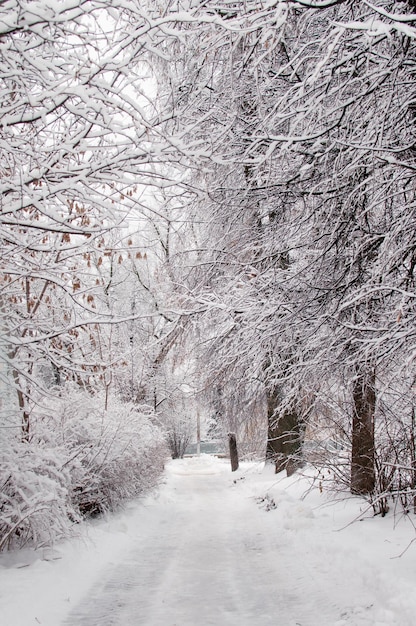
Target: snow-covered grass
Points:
(263, 541)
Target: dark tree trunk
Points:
(232, 441)
(362, 458)
(285, 434)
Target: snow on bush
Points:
(35, 501)
(82, 459)
(115, 452)
(179, 429)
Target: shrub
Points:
(35, 495)
(81, 461)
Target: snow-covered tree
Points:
(301, 119)
(81, 147)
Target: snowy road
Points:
(198, 562)
(204, 555)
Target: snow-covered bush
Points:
(35, 495)
(114, 453)
(83, 458)
(179, 430)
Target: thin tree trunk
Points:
(22, 402)
(25, 417)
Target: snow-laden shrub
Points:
(83, 458)
(114, 453)
(179, 429)
(35, 495)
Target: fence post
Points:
(232, 442)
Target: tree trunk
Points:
(363, 444)
(284, 437)
(24, 412)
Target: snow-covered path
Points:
(199, 561)
(207, 553)
(212, 547)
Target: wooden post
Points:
(198, 434)
(232, 441)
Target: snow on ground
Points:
(212, 547)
